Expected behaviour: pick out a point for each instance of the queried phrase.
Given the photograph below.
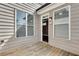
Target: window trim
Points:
(69, 6)
(15, 22)
(15, 26)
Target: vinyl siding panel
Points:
(65, 44)
(6, 22)
(19, 7)
(59, 42)
(7, 26)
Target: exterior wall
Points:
(7, 15)
(7, 20)
(68, 45)
(7, 26)
(38, 27)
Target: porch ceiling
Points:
(28, 7)
(33, 6)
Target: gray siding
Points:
(7, 26)
(20, 6)
(65, 44)
(6, 22)
(7, 16)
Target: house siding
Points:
(66, 44)
(7, 26)
(6, 22)
(7, 15)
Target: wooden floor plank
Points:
(36, 49)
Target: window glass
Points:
(30, 19)
(61, 23)
(30, 25)
(62, 13)
(21, 23)
(24, 24)
(30, 30)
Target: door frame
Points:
(47, 14)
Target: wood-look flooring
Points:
(36, 49)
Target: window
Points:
(21, 23)
(62, 23)
(24, 24)
(30, 25)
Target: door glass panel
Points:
(21, 23)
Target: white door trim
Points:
(47, 14)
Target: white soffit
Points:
(33, 6)
(49, 7)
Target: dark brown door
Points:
(45, 30)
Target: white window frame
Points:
(69, 20)
(47, 14)
(15, 23)
(26, 25)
